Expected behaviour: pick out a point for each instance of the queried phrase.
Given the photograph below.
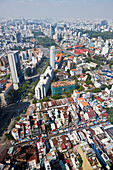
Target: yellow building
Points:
(90, 161)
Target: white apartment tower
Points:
(52, 57)
(43, 85)
(16, 74)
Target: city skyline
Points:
(56, 85)
(56, 8)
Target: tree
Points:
(109, 86)
(103, 87)
(17, 118)
(110, 114)
(88, 77)
(78, 75)
(92, 68)
(31, 91)
(30, 96)
(34, 101)
(57, 96)
(81, 88)
(77, 86)
(9, 136)
(56, 71)
(88, 82)
(8, 76)
(110, 64)
(68, 71)
(13, 96)
(46, 41)
(45, 99)
(96, 90)
(24, 86)
(28, 82)
(76, 81)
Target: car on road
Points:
(18, 101)
(54, 133)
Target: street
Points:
(62, 133)
(12, 111)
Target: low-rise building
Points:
(62, 86)
(89, 158)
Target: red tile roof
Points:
(63, 146)
(91, 113)
(76, 46)
(98, 98)
(81, 51)
(3, 81)
(103, 115)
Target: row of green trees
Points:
(15, 95)
(37, 33)
(105, 35)
(110, 114)
(88, 80)
(46, 42)
(110, 64)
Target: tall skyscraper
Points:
(52, 57)
(104, 22)
(18, 37)
(52, 31)
(15, 69)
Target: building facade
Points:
(18, 37)
(62, 86)
(44, 83)
(52, 57)
(16, 74)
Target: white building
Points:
(96, 84)
(79, 34)
(52, 57)
(53, 126)
(14, 133)
(24, 55)
(105, 50)
(30, 53)
(34, 60)
(44, 83)
(47, 165)
(40, 55)
(74, 72)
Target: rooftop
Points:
(62, 83)
(8, 85)
(84, 103)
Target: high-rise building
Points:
(52, 31)
(104, 22)
(15, 69)
(18, 37)
(43, 85)
(52, 57)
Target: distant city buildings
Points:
(16, 74)
(104, 22)
(73, 131)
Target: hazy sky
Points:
(57, 8)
